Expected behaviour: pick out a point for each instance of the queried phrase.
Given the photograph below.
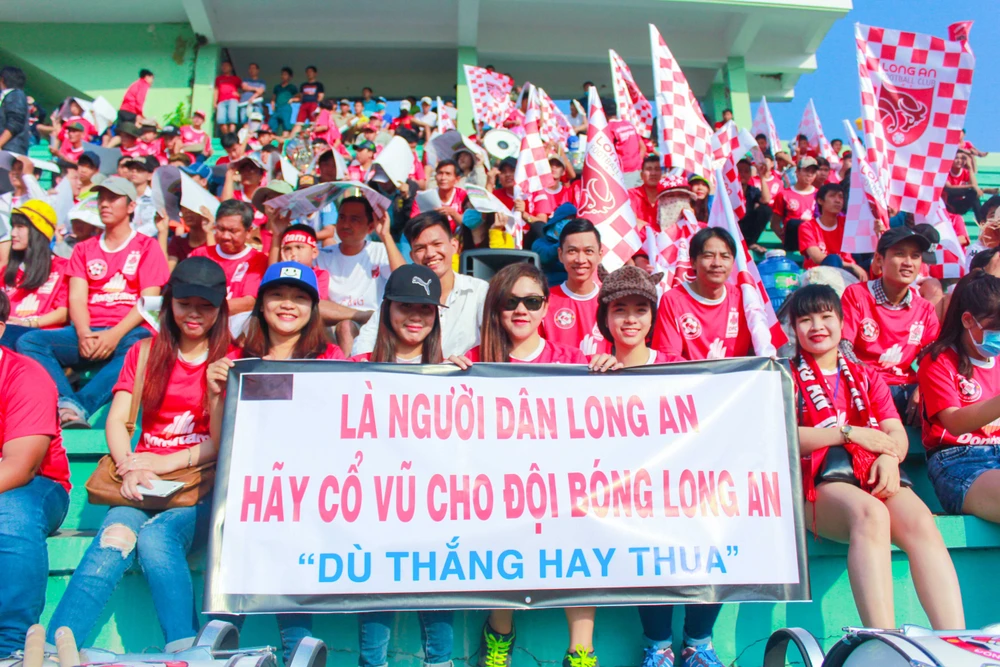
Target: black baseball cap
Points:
(201, 277)
(900, 234)
(91, 157)
(508, 162)
(414, 283)
(145, 162)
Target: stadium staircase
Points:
(129, 622)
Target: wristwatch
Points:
(845, 431)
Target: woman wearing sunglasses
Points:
(515, 306)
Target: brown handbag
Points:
(104, 485)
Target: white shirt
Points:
(356, 281)
(430, 118)
(460, 321)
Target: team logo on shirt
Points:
(375, 272)
(565, 318)
(916, 333)
(132, 263)
(792, 204)
(690, 326)
(50, 284)
(869, 330)
(241, 271)
(968, 389)
(97, 269)
(733, 325)
(27, 307)
(182, 425)
(116, 284)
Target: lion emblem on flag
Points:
(905, 113)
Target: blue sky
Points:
(834, 85)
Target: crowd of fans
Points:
(363, 282)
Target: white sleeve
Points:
(365, 341)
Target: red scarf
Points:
(817, 409)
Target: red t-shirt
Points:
(135, 150)
(116, 279)
(562, 196)
(323, 283)
(941, 386)
(547, 353)
(28, 399)
(572, 321)
(88, 129)
(332, 133)
(458, 197)
(643, 210)
(791, 204)
(870, 383)
(535, 204)
(243, 270)
(69, 152)
(53, 294)
(417, 172)
(813, 235)
(135, 97)
(228, 87)
(182, 420)
(691, 327)
(773, 185)
(628, 144)
(331, 352)
(961, 178)
(888, 340)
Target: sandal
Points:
(70, 419)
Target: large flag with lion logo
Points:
(914, 94)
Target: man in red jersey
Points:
(643, 197)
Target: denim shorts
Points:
(227, 112)
(954, 469)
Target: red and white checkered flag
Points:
(951, 261)
(813, 129)
(669, 251)
(684, 136)
(490, 92)
(445, 121)
(765, 329)
(632, 104)
(763, 123)
(603, 198)
(914, 95)
(729, 145)
(555, 126)
(862, 226)
(533, 173)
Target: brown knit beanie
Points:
(626, 281)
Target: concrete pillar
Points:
(717, 101)
(206, 66)
(739, 91)
(467, 55)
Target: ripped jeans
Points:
(160, 542)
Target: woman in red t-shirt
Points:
(845, 407)
(34, 279)
(959, 381)
(181, 421)
(513, 310)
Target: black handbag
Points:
(839, 467)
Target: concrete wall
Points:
(103, 59)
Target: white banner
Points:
(345, 486)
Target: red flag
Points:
(604, 199)
(632, 104)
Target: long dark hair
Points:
(37, 258)
(313, 339)
(166, 344)
(978, 294)
(385, 339)
(494, 344)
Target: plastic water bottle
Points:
(780, 276)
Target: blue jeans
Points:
(953, 471)
(160, 541)
(56, 349)
(375, 628)
(657, 620)
(12, 334)
(293, 628)
(28, 514)
(227, 112)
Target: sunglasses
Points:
(532, 303)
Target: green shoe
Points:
(495, 649)
(580, 657)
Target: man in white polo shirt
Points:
(433, 245)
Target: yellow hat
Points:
(41, 215)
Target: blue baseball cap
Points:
(202, 170)
(290, 273)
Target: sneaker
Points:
(581, 657)
(700, 656)
(652, 657)
(495, 649)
